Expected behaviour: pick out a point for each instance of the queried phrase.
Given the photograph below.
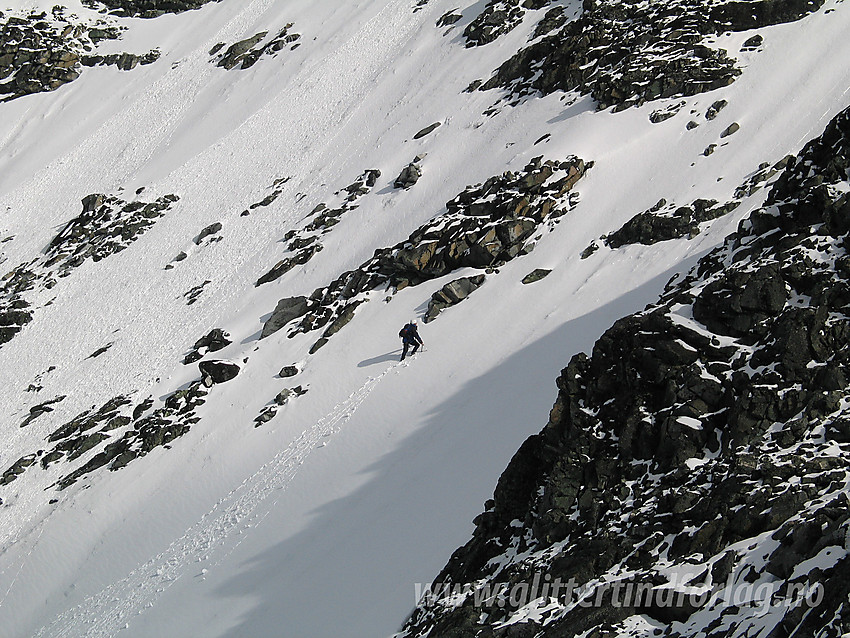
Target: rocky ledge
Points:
(484, 227)
(692, 479)
(624, 52)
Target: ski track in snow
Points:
(223, 524)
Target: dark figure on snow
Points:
(410, 336)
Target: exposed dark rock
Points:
(213, 341)
(409, 175)
(625, 54)
(705, 435)
(498, 18)
(146, 8)
(265, 416)
(729, 130)
(535, 275)
(449, 18)
(714, 109)
(212, 229)
(651, 226)
(40, 409)
(124, 61)
(195, 292)
(106, 226)
(39, 54)
(285, 311)
(288, 371)
(286, 394)
(452, 293)
(426, 130)
(100, 351)
(247, 52)
(304, 243)
(218, 371)
(656, 117)
(102, 429)
(483, 227)
(17, 469)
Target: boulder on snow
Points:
(286, 310)
(535, 275)
(409, 175)
(428, 129)
(212, 229)
(218, 371)
(452, 293)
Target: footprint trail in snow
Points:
(217, 532)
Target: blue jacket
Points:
(410, 334)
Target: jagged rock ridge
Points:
(700, 451)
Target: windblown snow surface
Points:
(321, 521)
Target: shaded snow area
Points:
(216, 216)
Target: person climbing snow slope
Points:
(410, 336)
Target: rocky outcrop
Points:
(409, 175)
(303, 243)
(124, 61)
(268, 200)
(247, 52)
(485, 226)
(663, 222)
(41, 52)
(215, 340)
(113, 435)
(106, 226)
(498, 18)
(218, 371)
(42, 408)
(285, 311)
(451, 294)
(146, 8)
(692, 477)
(625, 53)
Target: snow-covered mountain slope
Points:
(138, 500)
(693, 476)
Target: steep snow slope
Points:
(362, 487)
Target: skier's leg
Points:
(404, 352)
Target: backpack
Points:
(404, 332)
